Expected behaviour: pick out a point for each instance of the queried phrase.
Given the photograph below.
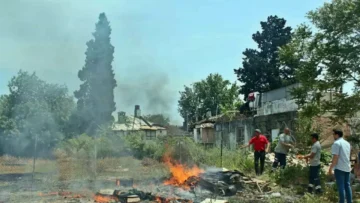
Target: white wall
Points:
(195, 135)
(160, 133)
(277, 106)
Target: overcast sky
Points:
(160, 45)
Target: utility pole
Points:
(221, 148)
(34, 161)
(187, 122)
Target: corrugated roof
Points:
(222, 117)
(135, 123)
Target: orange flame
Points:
(104, 198)
(180, 173)
(158, 199)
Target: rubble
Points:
(208, 200)
(221, 183)
(291, 159)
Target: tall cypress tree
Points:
(95, 98)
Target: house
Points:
(270, 112)
(230, 130)
(204, 132)
(129, 124)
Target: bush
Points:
(186, 151)
(181, 149)
(141, 148)
(325, 157)
(285, 177)
(273, 144)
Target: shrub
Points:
(273, 144)
(285, 177)
(325, 157)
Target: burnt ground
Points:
(18, 185)
(73, 182)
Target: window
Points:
(150, 134)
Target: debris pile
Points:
(218, 184)
(291, 159)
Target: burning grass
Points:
(180, 173)
(100, 198)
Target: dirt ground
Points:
(72, 180)
(67, 181)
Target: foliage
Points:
(304, 128)
(207, 95)
(273, 144)
(159, 119)
(100, 146)
(140, 148)
(186, 151)
(332, 52)
(261, 70)
(95, 98)
(286, 177)
(325, 157)
(33, 110)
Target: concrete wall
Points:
(231, 133)
(161, 133)
(197, 135)
(267, 123)
(278, 94)
(277, 106)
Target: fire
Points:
(159, 199)
(180, 173)
(104, 198)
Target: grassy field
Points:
(17, 185)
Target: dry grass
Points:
(13, 165)
(68, 168)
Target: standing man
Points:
(314, 156)
(261, 146)
(282, 148)
(341, 164)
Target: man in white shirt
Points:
(341, 150)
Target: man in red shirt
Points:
(261, 146)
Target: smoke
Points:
(149, 90)
(50, 37)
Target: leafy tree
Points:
(261, 70)
(158, 119)
(188, 105)
(33, 110)
(332, 53)
(95, 98)
(337, 47)
(207, 95)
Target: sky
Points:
(160, 45)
